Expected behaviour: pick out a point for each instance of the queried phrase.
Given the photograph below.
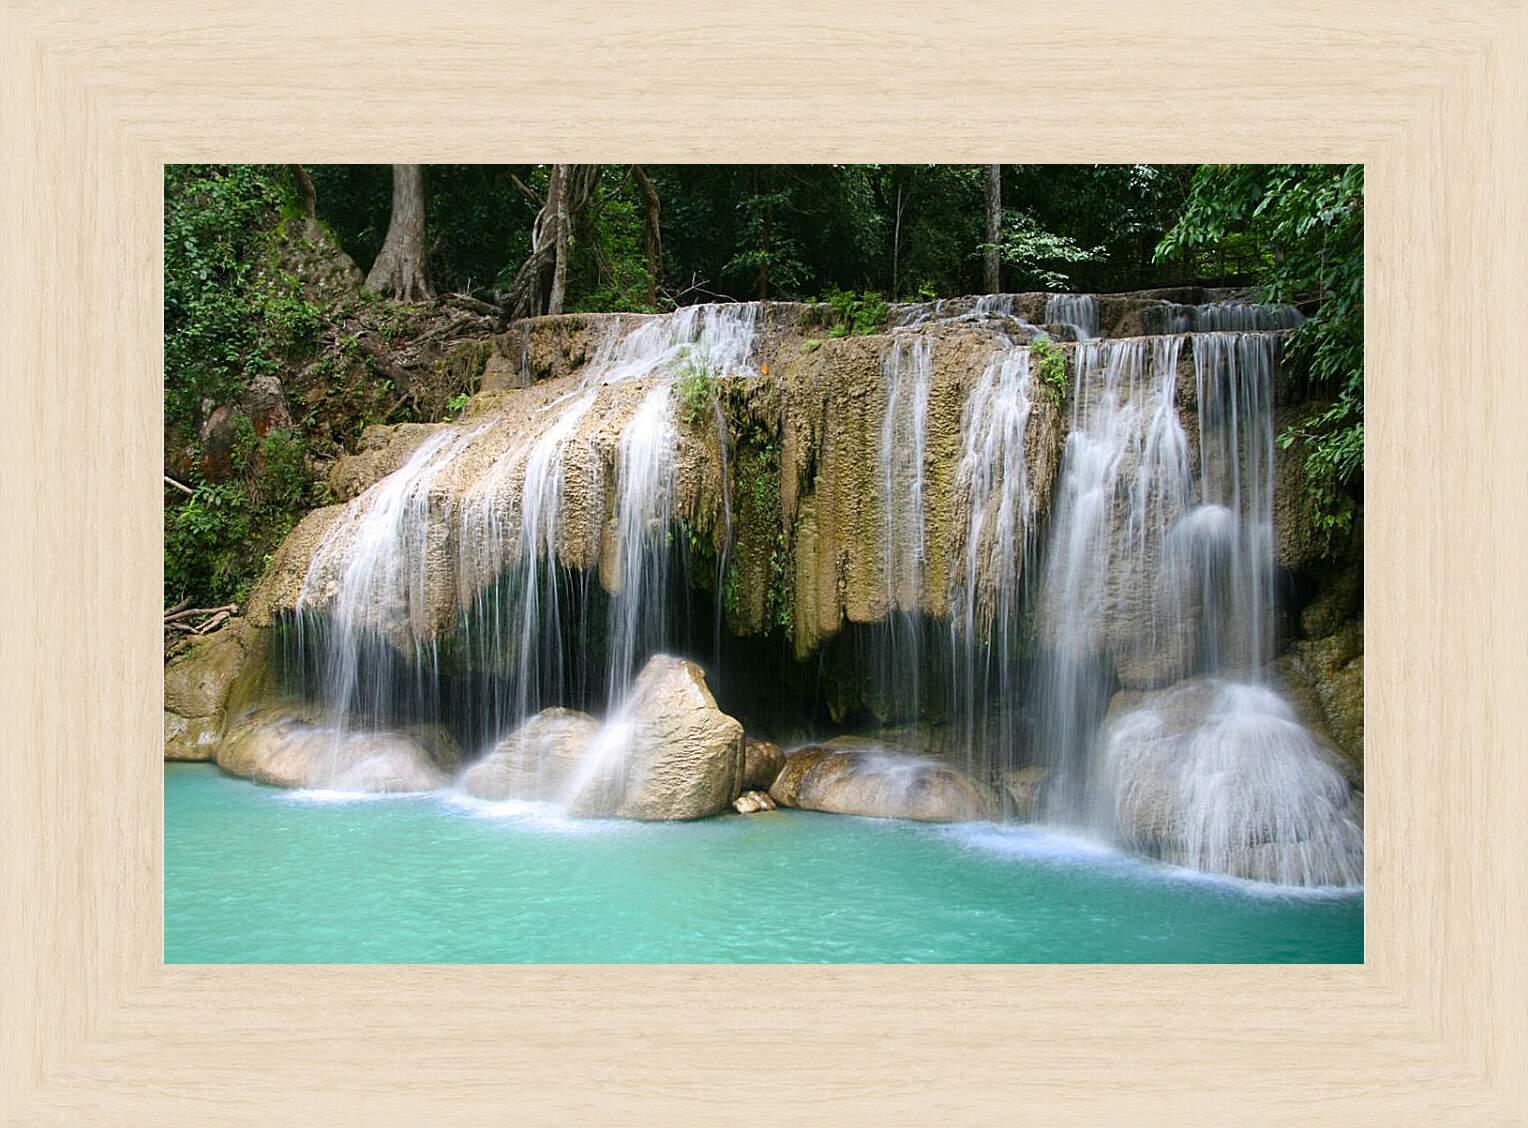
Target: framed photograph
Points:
(869, 564)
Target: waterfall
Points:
(1120, 636)
(1159, 578)
(516, 625)
(1227, 316)
(993, 478)
(1078, 312)
(379, 589)
(644, 507)
(1124, 480)
(1230, 535)
(906, 369)
(375, 587)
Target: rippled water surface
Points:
(258, 875)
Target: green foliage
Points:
(457, 404)
(218, 541)
(856, 314)
(1307, 221)
(229, 312)
(609, 270)
(1050, 367)
(766, 256)
(696, 385)
(1034, 255)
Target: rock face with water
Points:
(985, 518)
(537, 761)
(855, 776)
(286, 749)
(202, 682)
(1221, 776)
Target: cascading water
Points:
(372, 588)
(378, 592)
(903, 450)
(993, 478)
(1078, 312)
(643, 512)
(1227, 316)
(508, 626)
(1230, 534)
(1146, 588)
(1124, 481)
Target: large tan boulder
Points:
(853, 776)
(669, 754)
(199, 682)
(536, 761)
(1224, 777)
(285, 749)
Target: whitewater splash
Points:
(1222, 777)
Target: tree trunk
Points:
(653, 235)
(399, 271)
(992, 272)
(309, 193)
(569, 189)
(557, 203)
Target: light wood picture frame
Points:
(96, 97)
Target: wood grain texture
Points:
(95, 96)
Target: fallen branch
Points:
(467, 301)
(176, 614)
(181, 606)
(181, 486)
(213, 623)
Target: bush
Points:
(856, 315)
(1050, 367)
(218, 541)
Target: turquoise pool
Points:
(258, 875)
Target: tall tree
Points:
(400, 270)
(992, 274)
(652, 234)
(569, 190)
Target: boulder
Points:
(536, 761)
(284, 748)
(199, 682)
(669, 754)
(1223, 777)
(751, 802)
(1026, 791)
(852, 776)
(762, 762)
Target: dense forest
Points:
(302, 303)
